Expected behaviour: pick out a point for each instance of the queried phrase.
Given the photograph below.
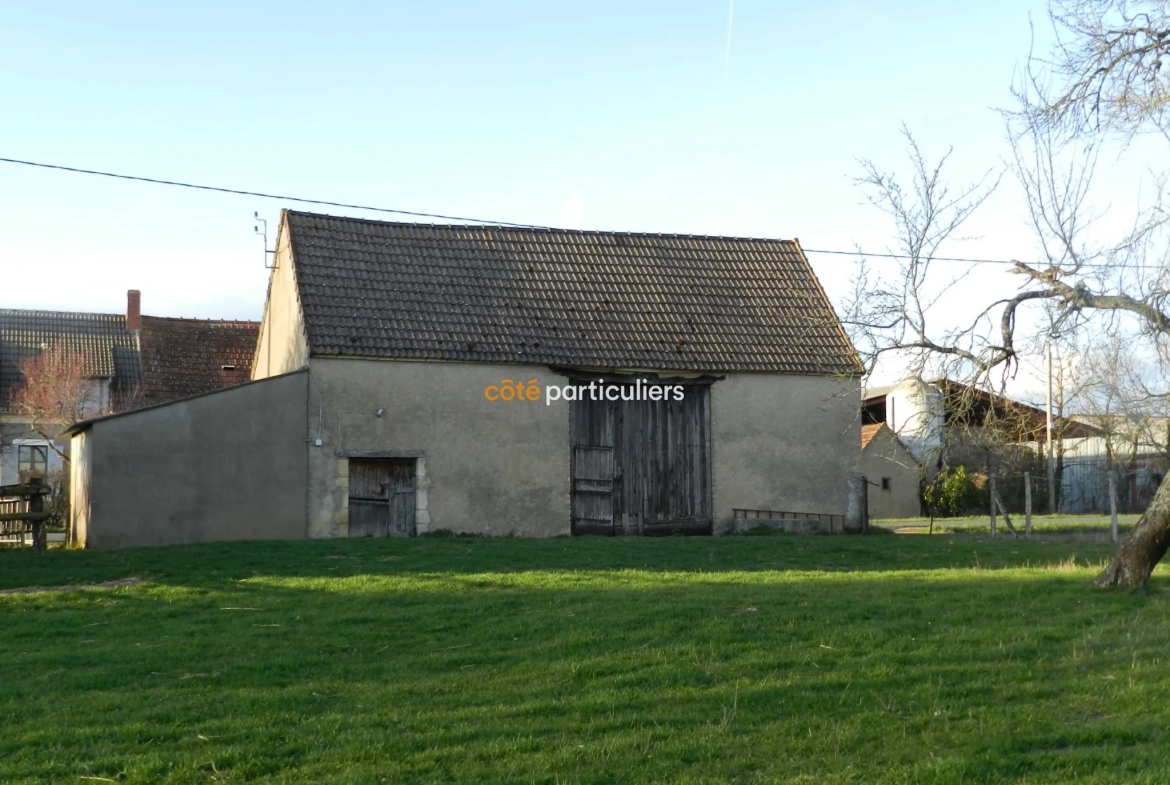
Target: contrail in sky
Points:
(726, 63)
(727, 50)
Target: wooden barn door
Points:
(657, 457)
(592, 490)
(592, 469)
(381, 497)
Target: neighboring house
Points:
(947, 423)
(943, 421)
(893, 473)
(384, 396)
(128, 360)
(106, 352)
(184, 357)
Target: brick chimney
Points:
(134, 310)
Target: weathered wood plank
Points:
(592, 489)
(661, 462)
(25, 516)
(24, 490)
(382, 497)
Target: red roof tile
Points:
(870, 431)
(182, 357)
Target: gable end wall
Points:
(281, 345)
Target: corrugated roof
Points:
(560, 297)
(183, 357)
(869, 393)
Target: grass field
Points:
(1041, 524)
(945, 659)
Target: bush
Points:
(950, 492)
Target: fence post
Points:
(864, 505)
(1112, 503)
(1027, 505)
(991, 493)
(36, 504)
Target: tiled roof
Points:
(179, 357)
(560, 297)
(870, 431)
(101, 340)
(182, 357)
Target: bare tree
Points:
(1104, 78)
(1111, 388)
(55, 391)
(898, 315)
(1106, 70)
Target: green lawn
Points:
(1041, 524)
(757, 659)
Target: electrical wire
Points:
(262, 195)
(907, 256)
(441, 216)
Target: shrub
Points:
(950, 492)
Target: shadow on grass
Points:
(492, 668)
(215, 563)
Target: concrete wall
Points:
(779, 442)
(489, 467)
(783, 442)
(230, 465)
(886, 457)
(281, 345)
(270, 459)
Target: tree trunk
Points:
(1112, 504)
(1141, 551)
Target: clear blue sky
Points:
(607, 115)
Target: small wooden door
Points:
(593, 490)
(381, 497)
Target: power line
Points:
(907, 256)
(261, 195)
(441, 216)
(1086, 265)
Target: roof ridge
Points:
(535, 228)
(39, 312)
(29, 312)
(242, 322)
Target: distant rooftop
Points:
(167, 358)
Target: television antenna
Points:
(263, 232)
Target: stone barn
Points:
(501, 381)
